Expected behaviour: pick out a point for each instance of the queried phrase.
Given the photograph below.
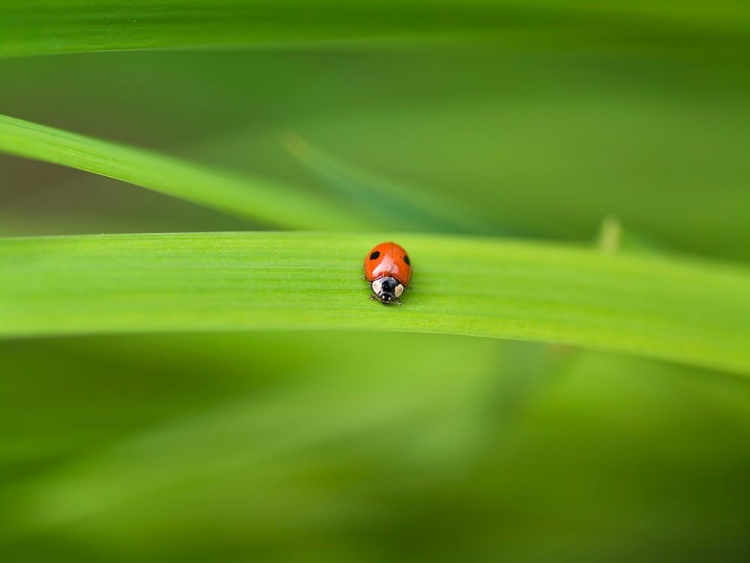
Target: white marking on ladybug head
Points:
(387, 289)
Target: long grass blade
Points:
(271, 203)
(692, 312)
(38, 27)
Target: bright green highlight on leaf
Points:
(263, 200)
(692, 312)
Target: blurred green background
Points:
(363, 447)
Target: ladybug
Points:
(388, 269)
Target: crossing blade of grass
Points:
(254, 198)
(687, 311)
(387, 202)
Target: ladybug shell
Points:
(388, 259)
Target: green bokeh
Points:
(296, 447)
(383, 447)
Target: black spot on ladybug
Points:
(406, 259)
(374, 255)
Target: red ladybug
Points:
(388, 269)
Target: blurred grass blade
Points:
(387, 202)
(612, 237)
(687, 311)
(260, 199)
(38, 27)
(338, 410)
(33, 27)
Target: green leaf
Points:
(34, 27)
(273, 203)
(687, 311)
(61, 26)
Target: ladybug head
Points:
(387, 290)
